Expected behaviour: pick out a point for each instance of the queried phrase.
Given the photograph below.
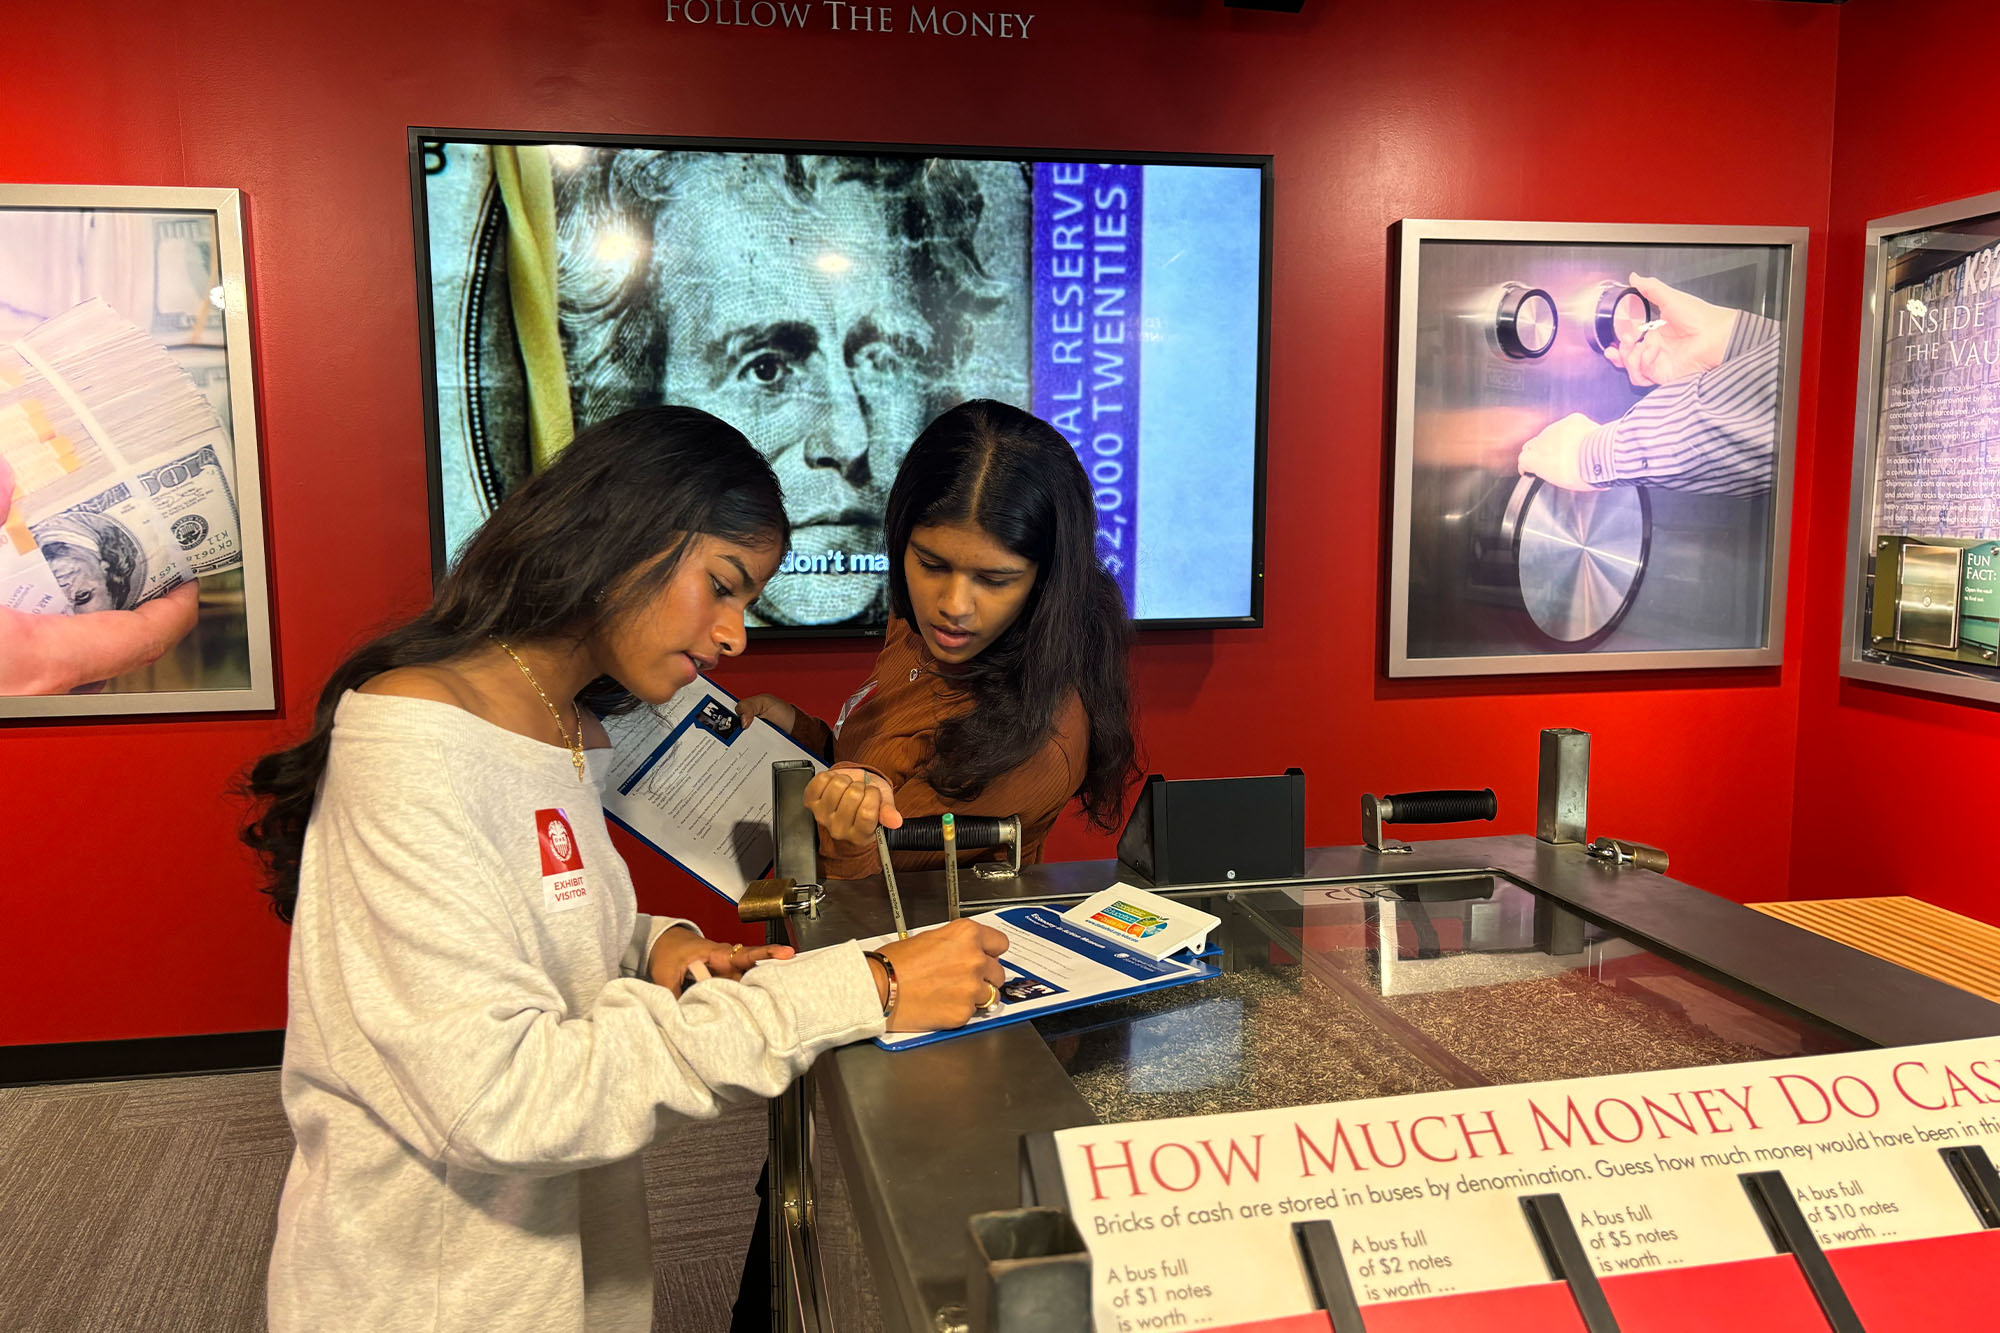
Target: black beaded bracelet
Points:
(889, 972)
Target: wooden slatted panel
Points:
(1906, 931)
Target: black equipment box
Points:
(1215, 830)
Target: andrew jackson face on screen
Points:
(827, 306)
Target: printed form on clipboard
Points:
(689, 780)
(1051, 966)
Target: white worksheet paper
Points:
(693, 783)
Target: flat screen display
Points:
(829, 300)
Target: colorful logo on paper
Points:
(1126, 919)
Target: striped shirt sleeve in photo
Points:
(1715, 433)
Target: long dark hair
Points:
(546, 565)
(1014, 476)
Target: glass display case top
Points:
(1336, 992)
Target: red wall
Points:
(1913, 130)
(139, 917)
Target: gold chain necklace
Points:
(575, 743)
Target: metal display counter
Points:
(1464, 962)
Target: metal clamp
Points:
(1624, 853)
(1375, 812)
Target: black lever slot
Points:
(1562, 1250)
(1973, 1170)
(1791, 1234)
(1333, 1290)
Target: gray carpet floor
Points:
(148, 1206)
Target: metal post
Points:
(794, 834)
(1558, 931)
(799, 1302)
(1563, 794)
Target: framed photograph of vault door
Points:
(132, 573)
(1922, 603)
(1593, 459)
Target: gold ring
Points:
(735, 949)
(992, 997)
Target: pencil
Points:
(889, 878)
(950, 869)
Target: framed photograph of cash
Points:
(1922, 606)
(1593, 459)
(132, 575)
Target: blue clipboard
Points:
(1145, 974)
(716, 694)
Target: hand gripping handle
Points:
(1438, 807)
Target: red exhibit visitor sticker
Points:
(563, 884)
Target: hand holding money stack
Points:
(121, 492)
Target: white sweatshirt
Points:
(473, 1062)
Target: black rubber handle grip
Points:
(925, 833)
(1441, 807)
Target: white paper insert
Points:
(1143, 922)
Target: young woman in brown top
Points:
(1002, 686)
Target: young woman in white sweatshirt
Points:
(484, 1032)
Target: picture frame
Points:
(128, 420)
(1555, 508)
(1921, 592)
